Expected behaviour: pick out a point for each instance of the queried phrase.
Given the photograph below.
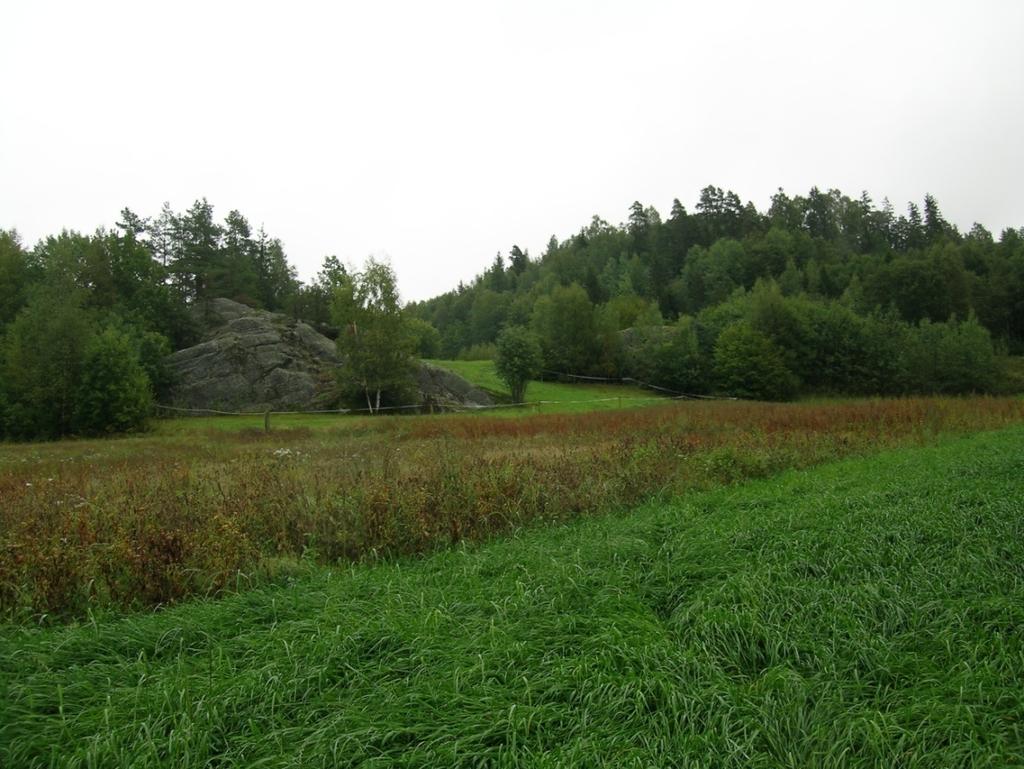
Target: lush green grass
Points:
(555, 396)
(864, 613)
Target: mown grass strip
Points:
(864, 613)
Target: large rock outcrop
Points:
(251, 360)
(254, 360)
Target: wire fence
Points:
(448, 408)
(632, 381)
(465, 408)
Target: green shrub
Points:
(670, 356)
(519, 359)
(749, 365)
(427, 338)
(153, 349)
(41, 358)
(950, 358)
(114, 394)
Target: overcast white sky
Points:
(440, 133)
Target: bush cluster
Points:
(764, 345)
(64, 370)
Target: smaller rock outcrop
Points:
(444, 390)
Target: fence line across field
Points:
(446, 409)
(672, 395)
(637, 382)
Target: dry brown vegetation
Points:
(150, 519)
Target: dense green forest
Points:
(820, 294)
(86, 320)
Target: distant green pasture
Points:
(556, 396)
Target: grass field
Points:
(194, 510)
(553, 397)
(863, 613)
(156, 518)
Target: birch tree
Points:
(374, 339)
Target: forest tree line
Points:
(86, 321)
(821, 293)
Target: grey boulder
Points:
(252, 360)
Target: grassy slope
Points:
(866, 613)
(557, 396)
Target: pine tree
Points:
(199, 253)
(518, 260)
(935, 227)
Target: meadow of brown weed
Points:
(150, 519)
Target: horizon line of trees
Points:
(817, 283)
(596, 300)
